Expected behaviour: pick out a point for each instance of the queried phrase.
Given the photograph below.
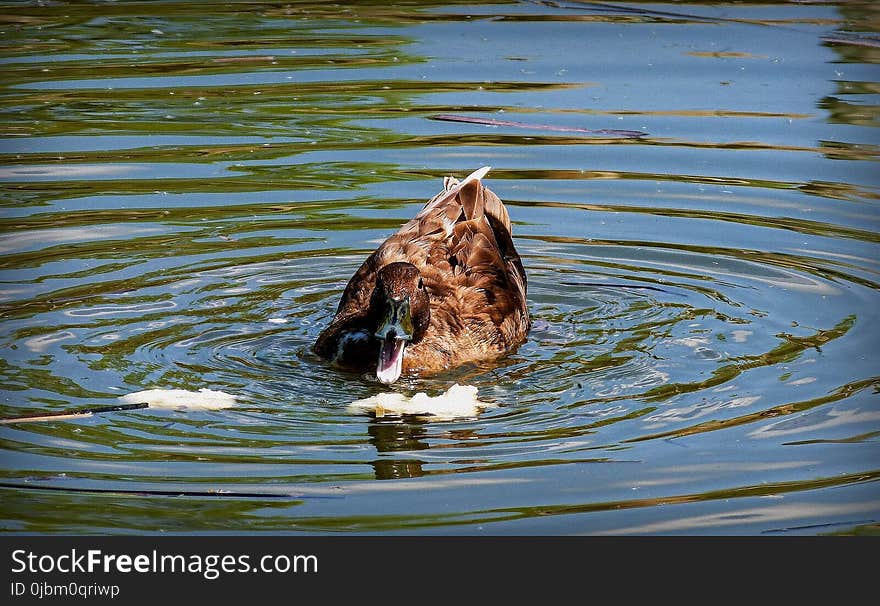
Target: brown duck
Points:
(447, 289)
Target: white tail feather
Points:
(477, 175)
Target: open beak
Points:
(395, 332)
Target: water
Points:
(187, 187)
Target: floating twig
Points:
(630, 134)
(73, 414)
(853, 41)
(643, 12)
(168, 399)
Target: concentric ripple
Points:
(184, 205)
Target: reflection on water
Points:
(390, 438)
(187, 192)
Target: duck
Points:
(447, 289)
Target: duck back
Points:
(462, 245)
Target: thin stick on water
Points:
(853, 41)
(73, 414)
(167, 399)
(628, 134)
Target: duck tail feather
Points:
(471, 198)
(494, 207)
(451, 188)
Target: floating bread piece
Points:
(459, 401)
(203, 399)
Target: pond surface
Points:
(187, 187)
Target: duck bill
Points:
(390, 360)
(395, 332)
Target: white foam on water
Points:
(459, 401)
(177, 399)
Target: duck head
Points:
(401, 304)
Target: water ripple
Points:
(186, 200)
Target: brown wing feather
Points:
(461, 242)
